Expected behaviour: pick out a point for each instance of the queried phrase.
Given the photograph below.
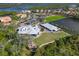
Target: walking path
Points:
(45, 44)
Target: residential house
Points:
(26, 11)
(22, 15)
(6, 20)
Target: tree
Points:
(67, 46)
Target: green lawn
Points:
(53, 18)
(48, 37)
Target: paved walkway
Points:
(45, 44)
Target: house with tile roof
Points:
(6, 20)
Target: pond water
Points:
(22, 7)
(68, 24)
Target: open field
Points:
(53, 18)
(48, 37)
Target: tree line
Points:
(67, 46)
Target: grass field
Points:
(53, 18)
(48, 37)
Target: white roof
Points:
(50, 27)
(28, 29)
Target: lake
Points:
(22, 7)
(69, 25)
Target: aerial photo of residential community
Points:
(39, 29)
